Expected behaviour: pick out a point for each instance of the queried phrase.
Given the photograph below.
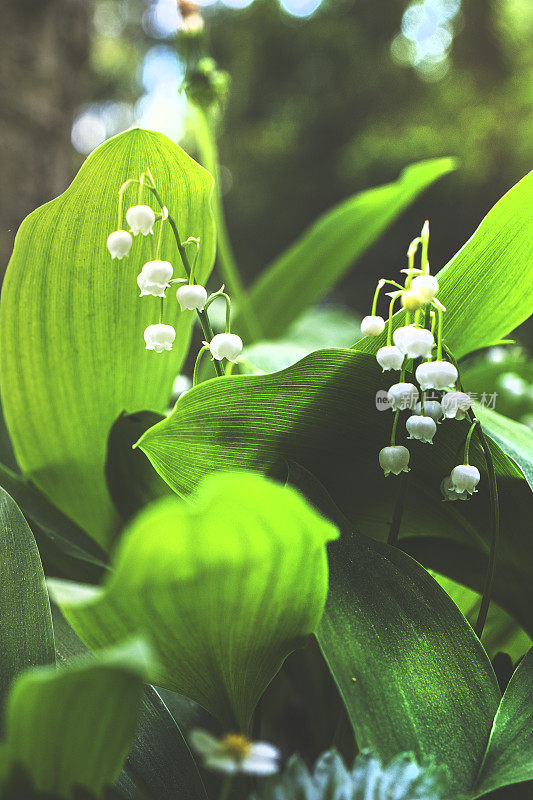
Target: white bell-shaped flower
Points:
(191, 296)
(436, 375)
(411, 301)
(455, 405)
(119, 244)
(141, 219)
(402, 396)
(449, 493)
(154, 278)
(414, 342)
(421, 428)
(226, 345)
(159, 337)
(389, 357)
(372, 326)
(432, 408)
(394, 459)
(425, 286)
(465, 478)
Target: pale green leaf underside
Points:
(225, 586)
(26, 633)
(487, 287)
(71, 321)
(325, 252)
(74, 725)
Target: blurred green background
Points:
(327, 98)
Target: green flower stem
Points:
(379, 287)
(226, 787)
(161, 309)
(439, 335)
(202, 316)
(223, 294)
(196, 373)
(391, 314)
(121, 193)
(467, 442)
(494, 511)
(424, 238)
(207, 148)
(159, 239)
(394, 426)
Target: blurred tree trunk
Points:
(43, 78)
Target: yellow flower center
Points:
(236, 745)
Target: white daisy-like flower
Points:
(436, 375)
(421, 427)
(449, 493)
(191, 297)
(425, 286)
(372, 325)
(235, 753)
(465, 478)
(414, 342)
(402, 396)
(389, 357)
(394, 459)
(119, 244)
(455, 405)
(141, 219)
(154, 278)
(159, 337)
(226, 345)
(432, 408)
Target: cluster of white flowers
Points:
(416, 340)
(156, 276)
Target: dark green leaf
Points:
(325, 252)
(26, 634)
(72, 354)
(515, 439)
(413, 675)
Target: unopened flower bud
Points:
(191, 296)
(455, 405)
(372, 326)
(154, 278)
(119, 244)
(436, 375)
(465, 478)
(421, 428)
(394, 459)
(425, 286)
(389, 357)
(432, 408)
(141, 219)
(226, 345)
(414, 342)
(159, 337)
(402, 396)
(411, 300)
(449, 493)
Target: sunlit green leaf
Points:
(26, 634)
(321, 413)
(74, 725)
(72, 352)
(509, 757)
(225, 586)
(325, 252)
(413, 675)
(487, 287)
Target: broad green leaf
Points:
(26, 634)
(515, 439)
(487, 287)
(413, 675)
(159, 759)
(321, 413)
(401, 779)
(312, 266)
(509, 756)
(225, 586)
(71, 321)
(131, 480)
(63, 545)
(74, 725)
